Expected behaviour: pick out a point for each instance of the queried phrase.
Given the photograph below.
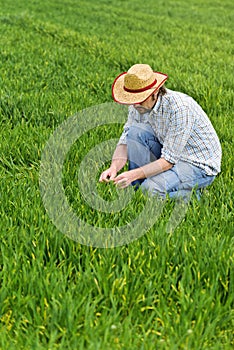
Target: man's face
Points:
(147, 105)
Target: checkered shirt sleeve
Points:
(179, 131)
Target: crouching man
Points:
(168, 140)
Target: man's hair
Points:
(162, 90)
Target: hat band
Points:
(142, 89)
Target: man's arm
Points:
(119, 160)
(154, 168)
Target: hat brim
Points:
(124, 97)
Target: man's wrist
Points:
(113, 167)
(138, 173)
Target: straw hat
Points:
(137, 84)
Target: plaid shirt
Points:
(183, 129)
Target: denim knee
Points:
(154, 187)
(135, 133)
(142, 135)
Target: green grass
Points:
(162, 291)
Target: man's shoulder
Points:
(172, 95)
(131, 111)
(176, 99)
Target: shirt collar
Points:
(157, 104)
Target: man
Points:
(169, 142)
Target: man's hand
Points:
(125, 179)
(108, 175)
(158, 166)
(118, 161)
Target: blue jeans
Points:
(143, 148)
